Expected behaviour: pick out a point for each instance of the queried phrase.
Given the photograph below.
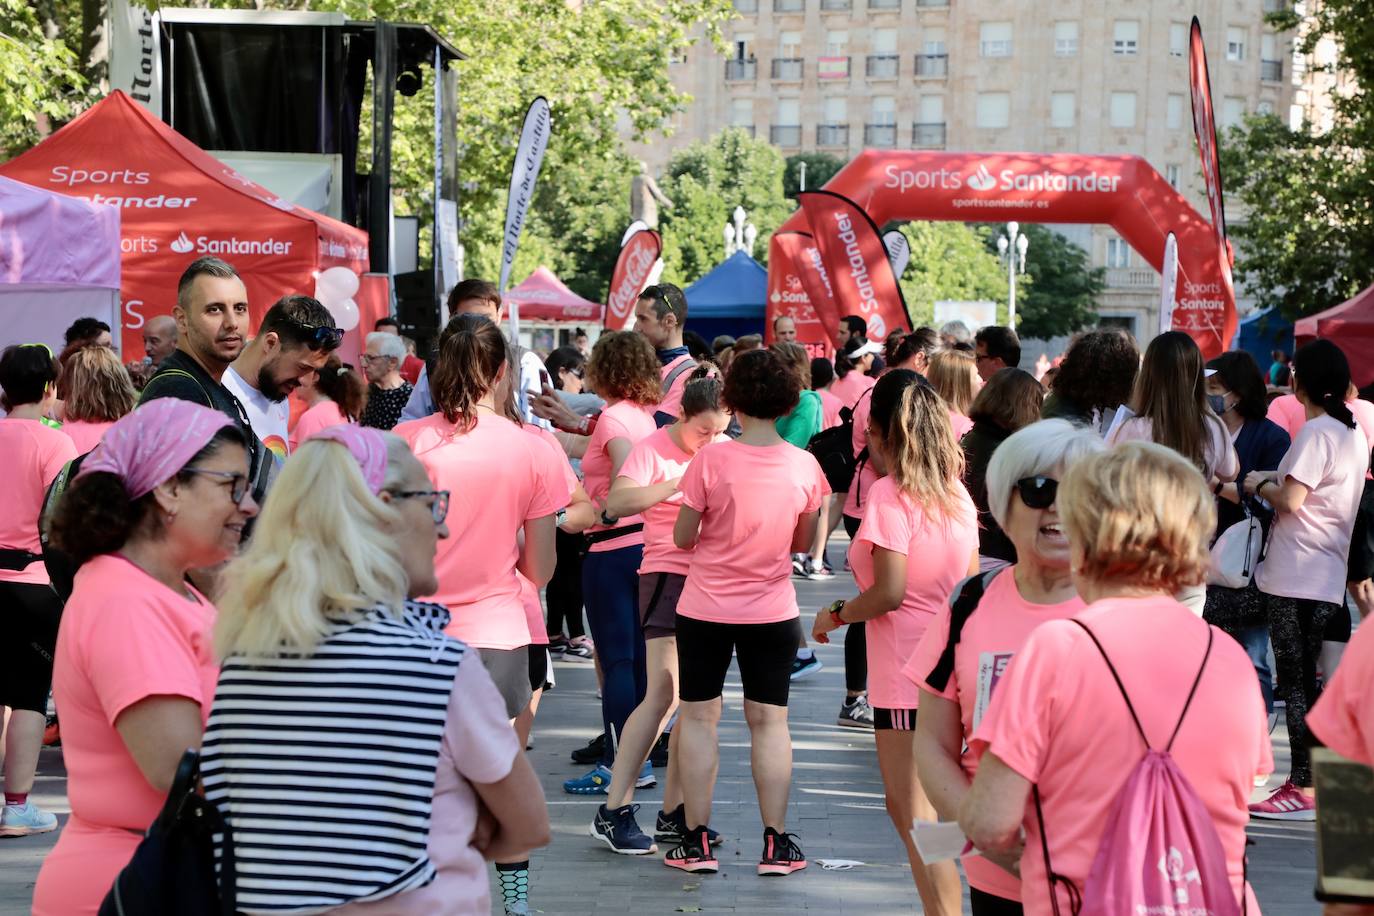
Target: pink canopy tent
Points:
(1350, 326)
(544, 297)
(59, 261)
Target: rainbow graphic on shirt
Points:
(277, 446)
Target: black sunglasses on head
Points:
(1038, 492)
(319, 337)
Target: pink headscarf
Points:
(152, 444)
(367, 446)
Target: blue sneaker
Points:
(25, 819)
(805, 667)
(619, 830)
(599, 780)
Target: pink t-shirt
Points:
(85, 435)
(500, 477)
(937, 552)
(849, 388)
(322, 415)
(124, 637)
(750, 498)
(478, 746)
(672, 398)
(830, 408)
(529, 595)
(1287, 411)
(993, 634)
(1220, 455)
(1344, 716)
(654, 460)
(960, 424)
(1307, 551)
(31, 456)
(622, 420)
(865, 476)
(1058, 719)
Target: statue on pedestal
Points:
(645, 198)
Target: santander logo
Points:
(982, 179)
(181, 244)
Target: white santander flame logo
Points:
(982, 180)
(181, 244)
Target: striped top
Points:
(324, 765)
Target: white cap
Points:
(875, 349)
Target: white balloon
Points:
(345, 312)
(335, 284)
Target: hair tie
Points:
(342, 370)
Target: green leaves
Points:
(39, 82)
(1058, 293)
(949, 261)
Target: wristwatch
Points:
(836, 609)
(608, 520)
(560, 517)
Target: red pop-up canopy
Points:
(543, 297)
(178, 203)
(1350, 326)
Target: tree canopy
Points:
(950, 261)
(1058, 293)
(820, 168)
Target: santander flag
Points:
(1205, 128)
(632, 269)
(809, 269)
(853, 253)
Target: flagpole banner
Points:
(806, 294)
(1168, 292)
(529, 157)
(633, 270)
(637, 226)
(898, 250)
(853, 253)
(1207, 309)
(136, 53)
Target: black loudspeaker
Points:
(417, 307)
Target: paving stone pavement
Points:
(836, 808)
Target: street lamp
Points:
(740, 236)
(1011, 248)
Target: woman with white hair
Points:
(342, 704)
(387, 391)
(991, 617)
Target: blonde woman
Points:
(342, 702)
(954, 374)
(99, 391)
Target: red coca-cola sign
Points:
(632, 269)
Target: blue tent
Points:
(1261, 334)
(730, 299)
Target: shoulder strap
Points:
(961, 610)
(687, 365)
(209, 401)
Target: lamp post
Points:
(740, 236)
(1012, 249)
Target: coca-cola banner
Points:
(632, 271)
(853, 253)
(1205, 128)
(805, 295)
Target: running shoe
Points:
(599, 780)
(817, 572)
(672, 828)
(519, 908)
(799, 561)
(693, 854)
(805, 667)
(1288, 803)
(856, 713)
(25, 819)
(781, 854)
(52, 733)
(557, 646)
(594, 750)
(580, 649)
(619, 830)
(659, 755)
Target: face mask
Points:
(1218, 403)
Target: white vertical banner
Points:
(898, 250)
(634, 227)
(136, 53)
(529, 157)
(1168, 286)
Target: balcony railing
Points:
(932, 66)
(928, 136)
(741, 69)
(785, 135)
(880, 135)
(832, 134)
(747, 6)
(1271, 71)
(789, 6)
(787, 68)
(836, 5)
(932, 2)
(832, 68)
(1131, 278)
(884, 4)
(882, 66)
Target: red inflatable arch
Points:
(1124, 192)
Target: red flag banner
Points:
(856, 261)
(632, 270)
(1202, 312)
(809, 269)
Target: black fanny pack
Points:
(596, 537)
(19, 560)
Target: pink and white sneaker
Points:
(1288, 803)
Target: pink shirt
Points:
(960, 424)
(830, 408)
(937, 552)
(622, 420)
(478, 746)
(529, 595)
(1220, 454)
(31, 456)
(85, 435)
(1344, 716)
(750, 498)
(124, 637)
(1058, 720)
(672, 398)
(1307, 551)
(1287, 411)
(865, 476)
(500, 477)
(849, 388)
(655, 460)
(993, 634)
(322, 415)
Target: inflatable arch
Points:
(1124, 192)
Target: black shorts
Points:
(659, 593)
(764, 651)
(893, 720)
(31, 614)
(1361, 560)
(539, 668)
(851, 525)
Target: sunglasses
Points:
(238, 483)
(438, 506)
(319, 338)
(1038, 492)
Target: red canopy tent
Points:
(1351, 326)
(178, 202)
(544, 297)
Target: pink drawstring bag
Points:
(1159, 854)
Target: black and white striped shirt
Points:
(324, 764)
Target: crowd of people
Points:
(353, 612)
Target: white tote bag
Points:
(1236, 553)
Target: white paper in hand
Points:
(939, 841)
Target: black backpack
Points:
(964, 603)
(833, 450)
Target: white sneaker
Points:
(22, 820)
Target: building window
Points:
(1235, 44)
(993, 110)
(1265, 108)
(836, 109)
(789, 44)
(744, 47)
(1174, 117)
(1122, 111)
(934, 42)
(931, 109)
(1125, 37)
(884, 110)
(1232, 111)
(1178, 39)
(994, 39)
(836, 43)
(1118, 253)
(1065, 38)
(1062, 109)
(1171, 176)
(742, 113)
(884, 41)
(788, 112)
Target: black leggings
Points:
(564, 593)
(1296, 626)
(855, 638)
(985, 904)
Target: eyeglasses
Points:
(1038, 492)
(366, 358)
(319, 338)
(579, 373)
(438, 506)
(238, 483)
